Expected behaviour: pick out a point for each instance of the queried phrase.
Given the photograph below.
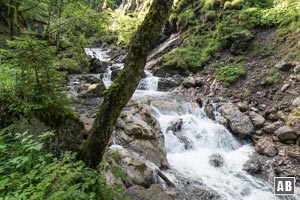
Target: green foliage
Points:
(212, 4)
(272, 76)
(282, 12)
(233, 5)
(36, 86)
(182, 58)
(210, 15)
(229, 74)
(215, 25)
(186, 15)
(124, 26)
(28, 172)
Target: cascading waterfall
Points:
(191, 147)
(206, 138)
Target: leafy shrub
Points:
(229, 74)
(27, 172)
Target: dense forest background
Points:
(42, 41)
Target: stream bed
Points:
(198, 149)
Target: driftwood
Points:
(165, 178)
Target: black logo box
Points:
(284, 185)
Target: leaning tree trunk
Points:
(117, 96)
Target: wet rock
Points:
(216, 160)
(155, 192)
(222, 121)
(90, 79)
(197, 102)
(175, 125)
(285, 134)
(238, 122)
(209, 110)
(192, 82)
(253, 165)
(185, 140)
(266, 146)
(94, 90)
(114, 73)
(97, 66)
(138, 130)
(165, 84)
(257, 120)
(284, 66)
(191, 190)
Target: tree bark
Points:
(120, 92)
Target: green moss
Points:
(229, 74)
(272, 76)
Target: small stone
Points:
(296, 102)
(243, 106)
(266, 146)
(285, 87)
(209, 110)
(254, 109)
(297, 69)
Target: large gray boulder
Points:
(155, 192)
(138, 130)
(193, 82)
(97, 66)
(286, 133)
(238, 122)
(165, 84)
(132, 165)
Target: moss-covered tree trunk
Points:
(125, 84)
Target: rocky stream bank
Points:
(264, 138)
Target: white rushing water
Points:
(204, 138)
(208, 138)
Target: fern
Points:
(40, 175)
